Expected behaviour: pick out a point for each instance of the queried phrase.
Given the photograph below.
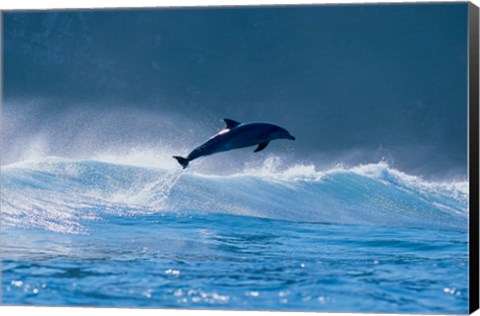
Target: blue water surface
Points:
(65, 243)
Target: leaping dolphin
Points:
(237, 135)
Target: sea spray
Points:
(156, 194)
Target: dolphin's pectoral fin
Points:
(261, 147)
(231, 123)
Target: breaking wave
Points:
(66, 195)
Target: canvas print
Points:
(283, 158)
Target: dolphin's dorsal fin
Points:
(261, 147)
(231, 123)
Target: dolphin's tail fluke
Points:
(183, 161)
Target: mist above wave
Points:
(121, 132)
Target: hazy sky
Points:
(353, 83)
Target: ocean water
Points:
(363, 239)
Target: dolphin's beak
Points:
(291, 137)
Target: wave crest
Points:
(63, 195)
